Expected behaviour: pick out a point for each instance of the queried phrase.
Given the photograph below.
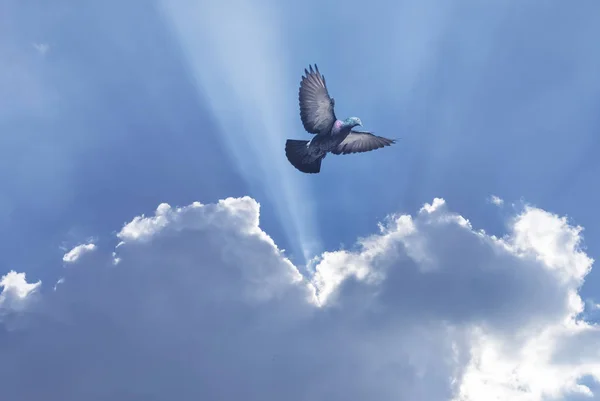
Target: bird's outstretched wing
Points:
(358, 141)
(316, 107)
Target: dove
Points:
(331, 135)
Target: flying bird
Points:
(331, 135)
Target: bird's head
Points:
(353, 122)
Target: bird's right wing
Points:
(358, 141)
(316, 107)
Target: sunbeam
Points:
(239, 63)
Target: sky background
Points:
(108, 109)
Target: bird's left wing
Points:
(358, 141)
(316, 106)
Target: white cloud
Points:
(203, 305)
(42, 48)
(496, 200)
(77, 252)
(593, 305)
(15, 291)
(58, 282)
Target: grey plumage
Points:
(316, 107)
(331, 135)
(358, 141)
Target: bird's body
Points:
(331, 134)
(328, 143)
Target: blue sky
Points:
(109, 109)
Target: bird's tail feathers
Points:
(298, 155)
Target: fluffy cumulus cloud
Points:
(201, 304)
(77, 252)
(16, 291)
(496, 200)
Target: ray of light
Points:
(237, 57)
